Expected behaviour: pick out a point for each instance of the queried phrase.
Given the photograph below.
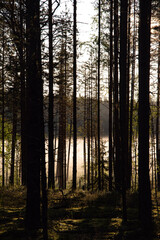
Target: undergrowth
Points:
(76, 215)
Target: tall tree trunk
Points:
(3, 105)
(84, 146)
(132, 92)
(158, 121)
(61, 146)
(75, 96)
(91, 110)
(14, 131)
(51, 182)
(23, 95)
(123, 101)
(69, 147)
(43, 164)
(88, 137)
(128, 163)
(110, 97)
(98, 128)
(144, 73)
(33, 113)
(117, 166)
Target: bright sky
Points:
(85, 12)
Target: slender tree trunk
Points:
(117, 166)
(43, 169)
(88, 137)
(3, 105)
(51, 183)
(128, 163)
(69, 147)
(91, 103)
(84, 147)
(23, 96)
(61, 147)
(99, 53)
(75, 96)
(110, 98)
(123, 101)
(144, 70)
(14, 131)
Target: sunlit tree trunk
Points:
(158, 121)
(84, 146)
(132, 92)
(3, 105)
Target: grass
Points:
(75, 215)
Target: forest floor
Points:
(79, 215)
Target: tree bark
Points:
(51, 182)
(33, 114)
(123, 102)
(143, 121)
(98, 127)
(110, 97)
(74, 96)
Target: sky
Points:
(85, 12)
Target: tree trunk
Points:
(132, 93)
(117, 166)
(51, 183)
(144, 108)
(158, 121)
(110, 97)
(33, 114)
(123, 102)
(3, 105)
(23, 96)
(75, 96)
(14, 131)
(98, 127)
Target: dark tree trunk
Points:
(88, 137)
(69, 147)
(110, 97)
(14, 132)
(51, 183)
(23, 94)
(117, 166)
(61, 145)
(33, 114)
(128, 163)
(75, 96)
(144, 108)
(98, 127)
(123, 102)
(91, 110)
(84, 146)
